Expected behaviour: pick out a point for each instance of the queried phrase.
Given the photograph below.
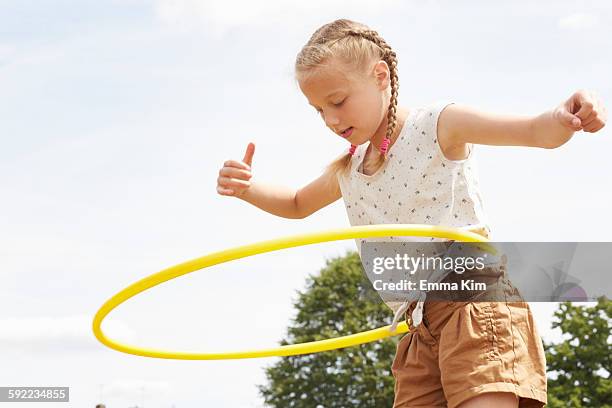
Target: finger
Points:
(236, 173)
(248, 155)
(586, 106)
(589, 119)
(595, 126)
(597, 119)
(235, 163)
(225, 191)
(570, 120)
(231, 182)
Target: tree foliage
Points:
(579, 367)
(338, 301)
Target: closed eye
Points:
(320, 111)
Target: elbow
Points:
(301, 213)
(296, 216)
(298, 213)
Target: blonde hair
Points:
(355, 45)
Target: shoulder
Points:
(445, 115)
(433, 125)
(431, 120)
(432, 116)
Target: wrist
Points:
(244, 195)
(549, 130)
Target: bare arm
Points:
(289, 203)
(234, 180)
(459, 125)
(318, 194)
(277, 200)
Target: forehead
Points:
(324, 82)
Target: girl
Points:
(415, 166)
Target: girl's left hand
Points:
(582, 111)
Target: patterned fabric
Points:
(416, 185)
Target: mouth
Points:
(346, 132)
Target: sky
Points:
(116, 116)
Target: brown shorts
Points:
(464, 349)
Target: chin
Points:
(361, 142)
(357, 142)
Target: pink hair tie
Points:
(352, 149)
(385, 145)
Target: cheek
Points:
(359, 112)
(366, 113)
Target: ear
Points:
(382, 74)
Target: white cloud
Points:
(46, 334)
(578, 21)
(127, 188)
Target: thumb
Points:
(569, 119)
(248, 155)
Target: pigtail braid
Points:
(356, 45)
(389, 56)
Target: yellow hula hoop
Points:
(363, 231)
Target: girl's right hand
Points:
(234, 176)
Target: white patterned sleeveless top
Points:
(416, 185)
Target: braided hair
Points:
(356, 45)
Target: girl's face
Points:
(353, 106)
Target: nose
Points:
(331, 120)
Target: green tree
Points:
(338, 301)
(579, 367)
